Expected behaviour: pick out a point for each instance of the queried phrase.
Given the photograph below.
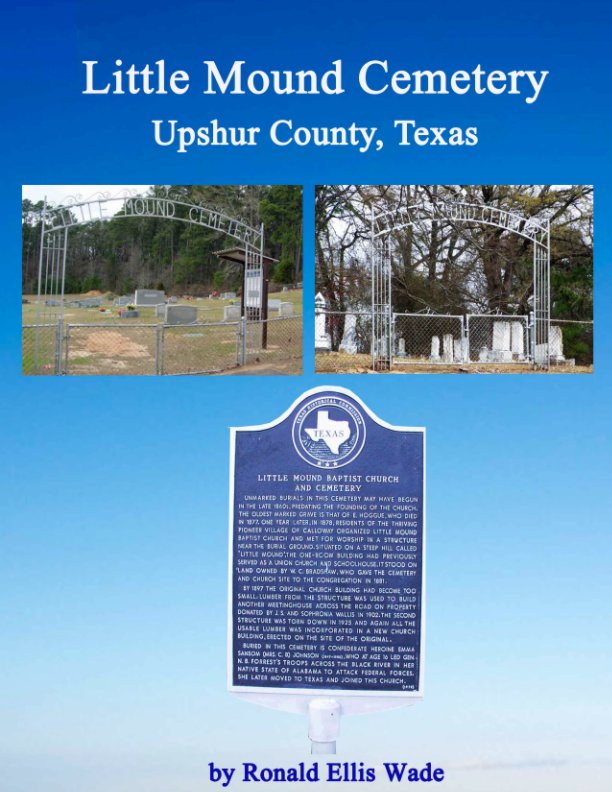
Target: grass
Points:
(208, 310)
(124, 346)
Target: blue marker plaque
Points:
(326, 552)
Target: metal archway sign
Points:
(384, 224)
(57, 220)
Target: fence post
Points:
(160, 348)
(66, 350)
(242, 339)
(57, 352)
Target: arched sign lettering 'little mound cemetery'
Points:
(327, 552)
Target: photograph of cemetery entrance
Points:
(149, 279)
(454, 279)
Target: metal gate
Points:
(382, 319)
(137, 349)
(384, 225)
(56, 222)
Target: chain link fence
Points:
(199, 348)
(429, 338)
(110, 349)
(485, 339)
(275, 343)
(39, 349)
(345, 331)
(493, 338)
(137, 349)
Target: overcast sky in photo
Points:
(67, 193)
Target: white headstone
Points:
(556, 341)
(349, 339)
(518, 338)
(286, 310)
(435, 348)
(458, 350)
(322, 339)
(447, 348)
(501, 336)
(500, 356)
(274, 305)
(401, 347)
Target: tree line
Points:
(124, 253)
(448, 266)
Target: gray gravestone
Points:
(149, 297)
(401, 347)
(286, 310)
(181, 314)
(231, 313)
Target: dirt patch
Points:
(265, 369)
(92, 293)
(113, 344)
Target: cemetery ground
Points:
(100, 341)
(344, 363)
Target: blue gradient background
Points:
(114, 491)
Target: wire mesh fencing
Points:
(276, 343)
(202, 348)
(344, 331)
(39, 349)
(429, 338)
(111, 349)
(497, 338)
(157, 348)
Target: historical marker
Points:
(326, 554)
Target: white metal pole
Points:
(40, 261)
(323, 725)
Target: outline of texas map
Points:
(332, 433)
